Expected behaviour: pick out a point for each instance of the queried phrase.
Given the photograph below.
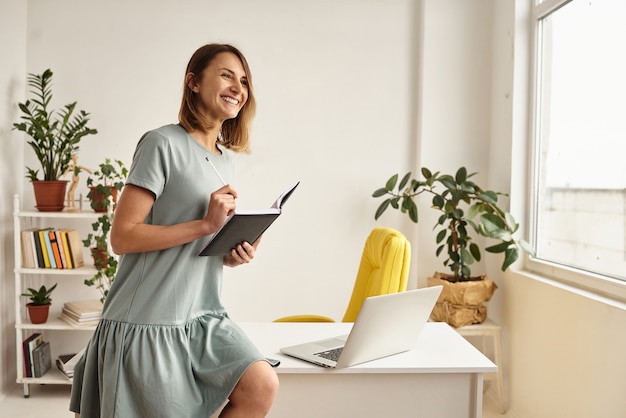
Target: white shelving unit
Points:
(27, 277)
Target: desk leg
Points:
(476, 395)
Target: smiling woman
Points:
(164, 330)
(219, 72)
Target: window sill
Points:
(610, 292)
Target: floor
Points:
(53, 399)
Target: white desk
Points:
(442, 377)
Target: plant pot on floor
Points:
(50, 195)
(38, 314)
(461, 303)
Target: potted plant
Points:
(464, 207)
(104, 262)
(39, 306)
(54, 136)
(105, 183)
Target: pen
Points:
(219, 176)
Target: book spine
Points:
(33, 239)
(28, 259)
(76, 247)
(55, 249)
(66, 249)
(48, 258)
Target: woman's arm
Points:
(129, 233)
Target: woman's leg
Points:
(254, 394)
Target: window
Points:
(579, 169)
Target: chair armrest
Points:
(305, 318)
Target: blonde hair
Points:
(235, 132)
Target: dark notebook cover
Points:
(246, 225)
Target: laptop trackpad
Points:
(333, 342)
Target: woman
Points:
(165, 347)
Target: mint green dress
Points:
(165, 347)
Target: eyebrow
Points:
(232, 72)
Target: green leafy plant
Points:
(104, 261)
(464, 206)
(40, 297)
(54, 134)
(110, 176)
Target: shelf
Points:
(55, 324)
(55, 327)
(69, 215)
(80, 271)
(52, 377)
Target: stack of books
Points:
(37, 359)
(66, 363)
(51, 248)
(82, 313)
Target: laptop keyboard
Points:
(332, 355)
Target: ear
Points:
(190, 81)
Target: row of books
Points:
(51, 248)
(82, 313)
(37, 359)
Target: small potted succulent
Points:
(54, 136)
(464, 207)
(39, 306)
(105, 183)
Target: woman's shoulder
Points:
(167, 131)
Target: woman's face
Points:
(222, 88)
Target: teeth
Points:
(230, 100)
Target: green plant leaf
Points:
(475, 251)
(404, 181)
(510, 256)
(527, 247)
(461, 175)
(381, 209)
(488, 196)
(426, 173)
(380, 192)
(441, 236)
(391, 183)
(413, 211)
(498, 248)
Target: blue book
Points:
(53, 263)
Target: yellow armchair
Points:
(384, 269)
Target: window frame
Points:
(594, 283)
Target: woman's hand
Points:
(221, 205)
(242, 254)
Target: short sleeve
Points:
(151, 166)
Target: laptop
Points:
(386, 325)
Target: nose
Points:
(237, 86)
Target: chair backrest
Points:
(384, 268)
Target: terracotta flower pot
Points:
(99, 201)
(50, 195)
(38, 314)
(100, 257)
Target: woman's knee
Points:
(258, 385)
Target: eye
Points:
(244, 82)
(226, 75)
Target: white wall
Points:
(13, 28)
